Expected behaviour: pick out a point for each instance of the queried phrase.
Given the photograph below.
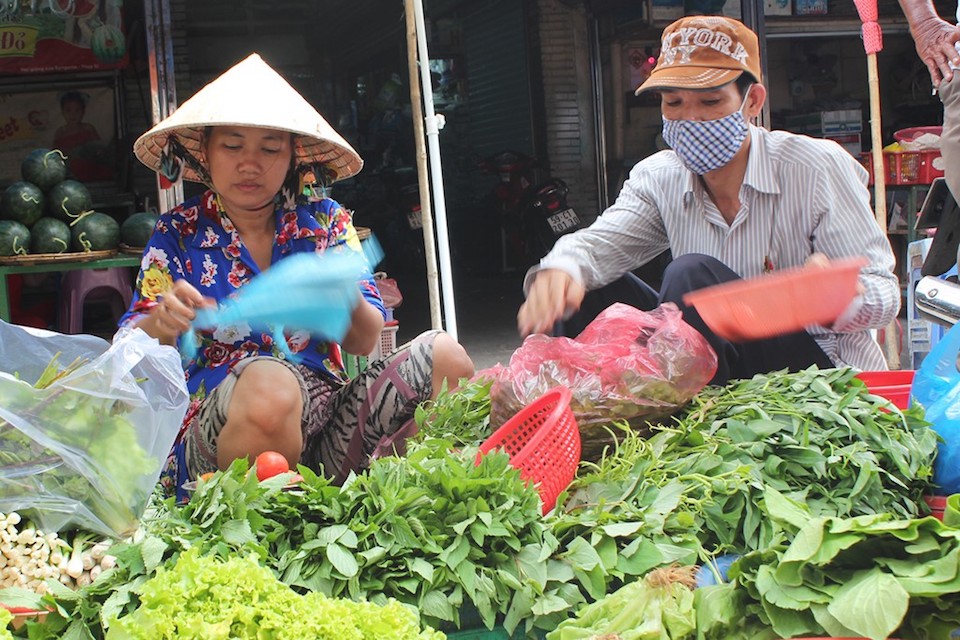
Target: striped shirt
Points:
(800, 196)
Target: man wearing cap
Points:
(729, 200)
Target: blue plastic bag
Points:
(309, 291)
(936, 387)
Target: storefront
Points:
(551, 79)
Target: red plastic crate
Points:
(892, 385)
(906, 167)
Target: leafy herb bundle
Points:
(817, 436)
(433, 530)
(81, 447)
(871, 576)
(461, 415)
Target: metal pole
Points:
(429, 241)
(753, 17)
(599, 113)
(436, 173)
(163, 90)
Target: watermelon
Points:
(68, 199)
(137, 229)
(14, 238)
(49, 235)
(95, 231)
(108, 44)
(22, 202)
(44, 168)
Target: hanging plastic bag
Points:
(627, 365)
(936, 387)
(82, 441)
(389, 290)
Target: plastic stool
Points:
(113, 284)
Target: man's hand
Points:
(552, 295)
(936, 40)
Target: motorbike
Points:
(545, 217)
(522, 215)
(516, 177)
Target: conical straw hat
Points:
(251, 94)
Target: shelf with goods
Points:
(909, 175)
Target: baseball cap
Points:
(704, 52)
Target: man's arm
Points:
(934, 38)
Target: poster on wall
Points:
(79, 120)
(58, 36)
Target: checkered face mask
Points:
(707, 145)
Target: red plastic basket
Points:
(907, 167)
(543, 442)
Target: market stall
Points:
(64, 166)
(785, 506)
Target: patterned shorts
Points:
(343, 425)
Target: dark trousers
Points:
(794, 351)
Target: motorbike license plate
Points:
(415, 219)
(563, 221)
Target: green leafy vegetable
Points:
(5, 618)
(871, 576)
(658, 607)
(202, 598)
(58, 438)
(461, 415)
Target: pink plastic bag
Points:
(627, 365)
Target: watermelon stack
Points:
(47, 212)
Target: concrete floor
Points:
(486, 309)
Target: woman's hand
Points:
(174, 312)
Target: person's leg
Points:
(628, 289)
(375, 409)
(793, 351)
(205, 446)
(950, 137)
(450, 363)
(265, 413)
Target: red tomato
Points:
(271, 463)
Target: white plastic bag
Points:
(87, 450)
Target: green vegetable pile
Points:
(658, 607)
(817, 436)
(61, 444)
(869, 576)
(202, 598)
(742, 470)
(5, 618)
(461, 416)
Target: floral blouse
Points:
(196, 241)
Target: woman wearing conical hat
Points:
(248, 135)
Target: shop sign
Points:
(61, 36)
(18, 41)
(78, 119)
